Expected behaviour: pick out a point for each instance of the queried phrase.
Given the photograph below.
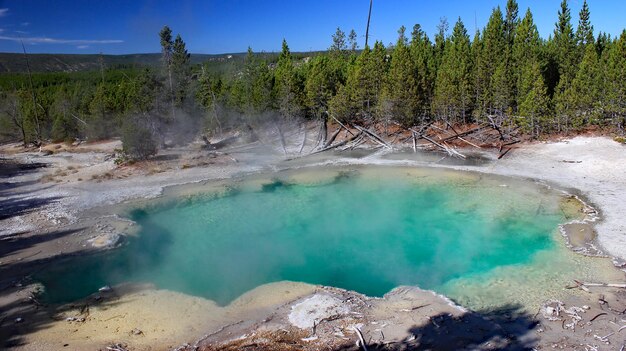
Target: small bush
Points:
(138, 141)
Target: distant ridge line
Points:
(15, 63)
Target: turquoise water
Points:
(368, 230)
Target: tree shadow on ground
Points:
(14, 202)
(15, 242)
(9, 168)
(17, 206)
(507, 328)
(27, 315)
(24, 311)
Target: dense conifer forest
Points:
(505, 74)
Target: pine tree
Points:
(286, 89)
(341, 105)
(440, 41)
(602, 42)
(65, 125)
(399, 96)
(584, 32)
(509, 83)
(478, 85)
(578, 101)
(210, 96)
(501, 90)
(615, 96)
(453, 89)
(564, 51)
(360, 95)
(493, 55)
(368, 79)
(262, 85)
(145, 92)
(565, 45)
(180, 69)
(526, 50)
(339, 45)
(167, 48)
(424, 69)
(511, 21)
(352, 41)
(534, 108)
(321, 84)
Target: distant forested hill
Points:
(15, 62)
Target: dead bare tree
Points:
(367, 29)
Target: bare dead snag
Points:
(361, 338)
(303, 140)
(451, 127)
(496, 127)
(332, 138)
(281, 137)
(502, 154)
(324, 131)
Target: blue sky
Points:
(222, 26)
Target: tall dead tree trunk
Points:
(367, 29)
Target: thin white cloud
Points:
(82, 46)
(3, 12)
(44, 40)
(25, 24)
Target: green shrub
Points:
(138, 141)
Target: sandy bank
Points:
(592, 165)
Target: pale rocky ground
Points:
(58, 211)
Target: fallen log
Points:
(341, 124)
(447, 149)
(469, 143)
(453, 151)
(332, 138)
(360, 140)
(509, 144)
(472, 131)
(373, 136)
(606, 285)
(220, 144)
(341, 143)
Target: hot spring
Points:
(484, 241)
